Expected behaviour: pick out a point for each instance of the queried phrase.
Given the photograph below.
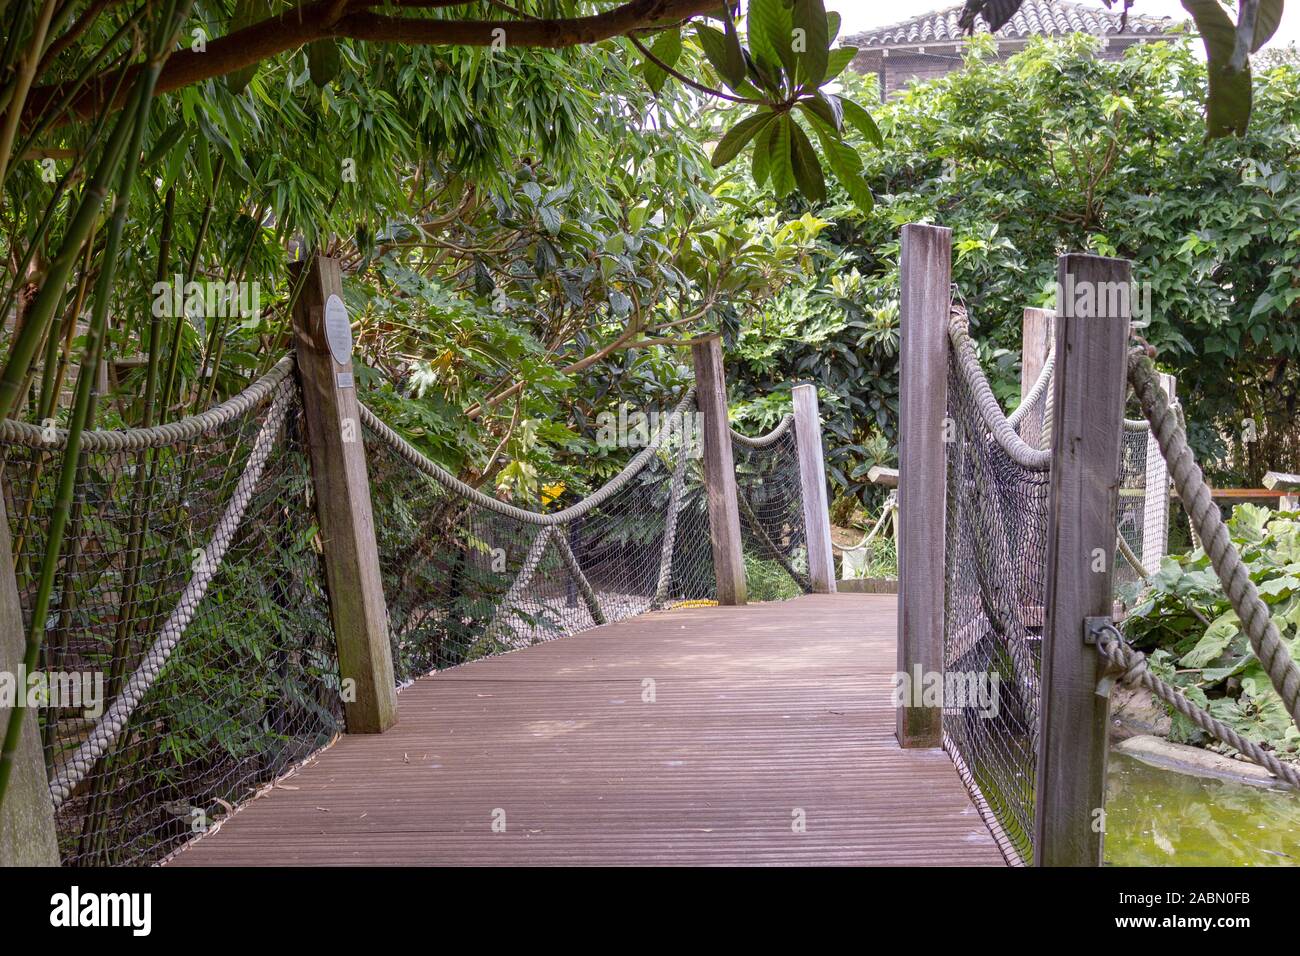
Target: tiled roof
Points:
(1034, 18)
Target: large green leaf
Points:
(771, 35)
(837, 59)
(860, 118)
(1229, 102)
(810, 17)
(807, 167)
(723, 53)
(843, 161)
(324, 61)
(739, 135)
(762, 161)
(246, 13)
(779, 163)
(1267, 20)
(1214, 641)
(667, 48)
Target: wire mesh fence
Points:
(995, 556)
(189, 645)
(467, 577)
(770, 500)
(189, 610)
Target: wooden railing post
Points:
(1155, 509)
(925, 277)
(812, 480)
(1092, 325)
(323, 340)
(27, 836)
(1035, 347)
(719, 471)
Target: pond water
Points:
(1157, 817)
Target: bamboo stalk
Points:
(127, 144)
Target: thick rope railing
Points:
(499, 626)
(413, 456)
(1040, 387)
(1131, 667)
(1020, 451)
(1037, 392)
(580, 579)
(158, 436)
(1197, 500)
(763, 441)
(115, 719)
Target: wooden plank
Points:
(1088, 414)
(1281, 481)
(27, 836)
(812, 480)
(1035, 347)
(1155, 508)
(347, 526)
(886, 477)
(926, 278)
(719, 471)
(757, 712)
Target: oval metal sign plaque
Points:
(338, 330)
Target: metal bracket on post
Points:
(1093, 628)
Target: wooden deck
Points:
(759, 712)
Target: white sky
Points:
(859, 15)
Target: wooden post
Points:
(27, 836)
(925, 275)
(719, 471)
(1155, 507)
(323, 340)
(1035, 347)
(812, 480)
(1092, 328)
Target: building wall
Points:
(898, 67)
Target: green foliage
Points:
(1214, 665)
(1228, 45)
(768, 581)
(1056, 150)
(784, 68)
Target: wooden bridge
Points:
(684, 733)
(761, 734)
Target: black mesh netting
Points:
(463, 580)
(1142, 521)
(246, 690)
(770, 500)
(994, 605)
